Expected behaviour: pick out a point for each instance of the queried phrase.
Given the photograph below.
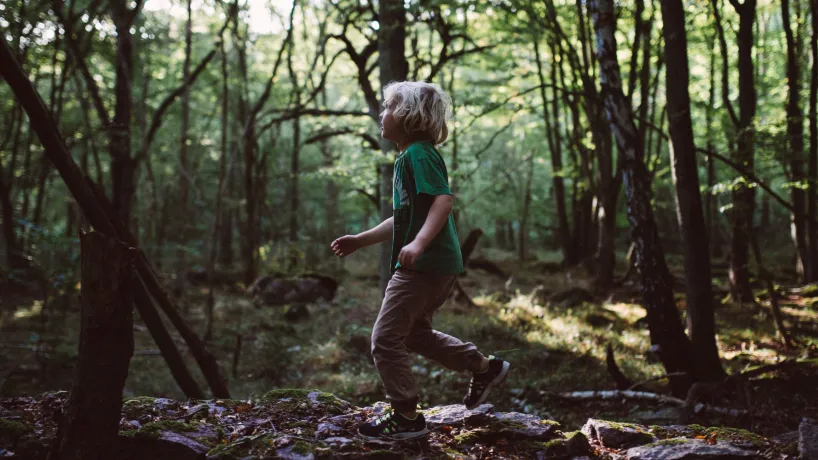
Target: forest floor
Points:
(553, 347)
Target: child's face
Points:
(391, 128)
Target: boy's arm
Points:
(381, 233)
(435, 220)
(348, 244)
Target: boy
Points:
(425, 262)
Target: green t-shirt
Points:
(420, 174)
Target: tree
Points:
(393, 67)
(666, 332)
(743, 194)
(812, 190)
(700, 317)
(795, 138)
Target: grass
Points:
(553, 349)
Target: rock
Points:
(808, 441)
(167, 446)
(278, 290)
(338, 441)
(453, 415)
(517, 425)
(327, 429)
(571, 297)
(297, 312)
(616, 435)
(294, 452)
(684, 449)
(573, 445)
(786, 438)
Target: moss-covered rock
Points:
(11, 429)
(248, 447)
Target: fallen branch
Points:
(748, 374)
(698, 409)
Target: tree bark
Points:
(710, 201)
(123, 167)
(812, 191)
(701, 325)
(393, 67)
(743, 196)
(795, 137)
(666, 332)
(106, 345)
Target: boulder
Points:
(808, 440)
(275, 290)
(616, 435)
(684, 449)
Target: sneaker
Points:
(481, 382)
(395, 426)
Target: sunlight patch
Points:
(33, 310)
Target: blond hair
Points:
(423, 107)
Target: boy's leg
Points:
(449, 351)
(454, 354)
(408, 297)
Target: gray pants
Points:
(405, 324)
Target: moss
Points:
(624, 425)
(139, 406)
(302, 448)
(381, 454)
(668, 442)
(167, 425)
(131, 434)
(659, 431)
(285, 393)
(333, 404)
(496, 424)
(243, 447)
(12, 429)
(470, 437)
(735, 434)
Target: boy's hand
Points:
(345, 245)
(410, 254)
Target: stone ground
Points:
(309, 424)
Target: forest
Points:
(635, 192)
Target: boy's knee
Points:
(383, 345)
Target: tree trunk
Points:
(106, 345)
(710, 201)
(701, 325)
(218, 212)
(123, 167)
(180, 211)
(666, 332)
(795, 137)
(13, 253)
(523, 248)
(295, 158)
(812, 191)
(393, 67)
(743, 196)
(555, 151)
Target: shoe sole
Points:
(398, 436)
(495, 381)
